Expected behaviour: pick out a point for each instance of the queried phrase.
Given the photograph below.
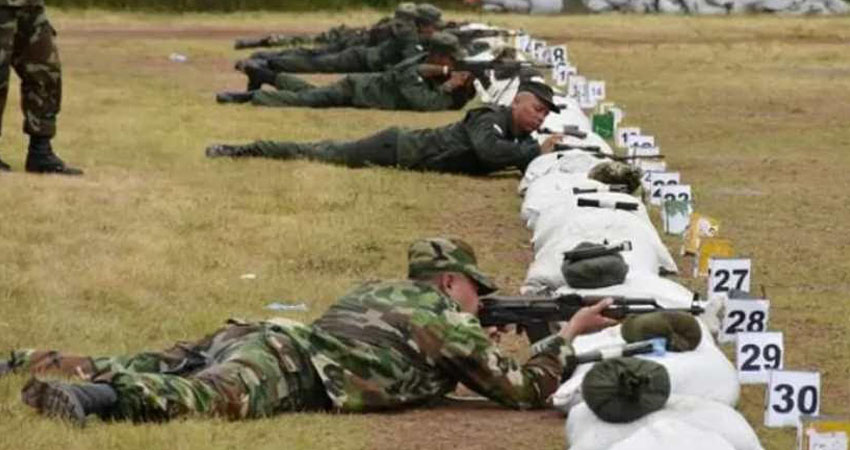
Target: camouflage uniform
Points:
(27, 44)
(400, 89)
(385, 345)
(479, 144)
(334, 40)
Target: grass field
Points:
(149, 247)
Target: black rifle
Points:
(595, 252)
(584, 148)
(655, 346)
(501, 69)
(534, 314)
(569, 130)
(593, 203)
(621, 188)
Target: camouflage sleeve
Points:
(495, 151)
(467, 355)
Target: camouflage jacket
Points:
(479, 144)
(388, 345)
(21, 2)
(402, 88)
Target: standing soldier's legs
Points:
(36, 61)
(378, 149)
(8, 29)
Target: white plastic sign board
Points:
(646, 178)
(561, 73)
(576, 85)
(597, 90)
(791, 394)
(659, 180)
(624, 133)
(523, 43)
(646, 151)
(558, 55)
(744, 316)
(756, 354)
(640, 141)
(676, 215)
(539, 51)
(585, 98)
(726, 274)
(681, 192)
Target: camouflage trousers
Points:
(240, 371)
(379, 149)
(293, 91)
(27, 45)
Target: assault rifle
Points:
(568, 130)
(621, 188)
(501, 69)
(534, 314)
(597, 151)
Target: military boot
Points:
(231, 151)
(5, 167)
(71, 402)
(258, 74)
(41, 159)
(251, 43)
(234, 97)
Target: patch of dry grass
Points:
(149, 246)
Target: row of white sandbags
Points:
(703, 382)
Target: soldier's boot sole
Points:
(54, 400)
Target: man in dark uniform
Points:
(27, 44)
(488, 139)
(403, 41)
(422, 83)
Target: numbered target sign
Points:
(744, 316)
(539, 51)
(624, 133)
(789, 395)
(558, 55)
(597, 90)
(576, 86)
(523, 43)
(619, 115)
(646, 151)
(561, 73)
(641, 140)
(726, 274)
(680, 192)
(756, 354)
(659, 180)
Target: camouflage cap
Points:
(435, 255)
(681, 329)
(595, 272)
(429, 14)
(446, 43)
(615, 172)
(622, 390)
(406, 11)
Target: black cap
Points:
(542, 91)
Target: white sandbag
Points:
(585, 431)
(553, 189)
(570, 162)
(704, 372)
(659, 434)
(561, 227)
